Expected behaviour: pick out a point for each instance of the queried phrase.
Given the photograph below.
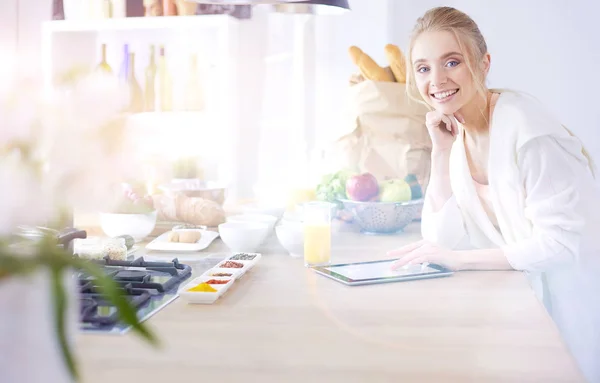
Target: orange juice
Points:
(317, 243)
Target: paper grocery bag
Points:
(388, 137)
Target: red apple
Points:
(362, 187)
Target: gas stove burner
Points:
(87, 305)
(148, 286)
(132, 275)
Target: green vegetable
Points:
(333, 186)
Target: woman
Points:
(510, 188)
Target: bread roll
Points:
(173, 236)
(189, 236)
(397, 62)
(368, 67)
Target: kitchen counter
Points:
(283, 323)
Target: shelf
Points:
(138, 23)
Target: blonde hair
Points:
(473, 46)
(467, 34)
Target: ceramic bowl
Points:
(139, 226)
(276, 211)
(243, 237)
(267, 219)
(291, 237)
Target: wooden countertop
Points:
(283, 323)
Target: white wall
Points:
(21, 32)
(366, 26)
(8, 40)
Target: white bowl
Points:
(243, 237)
(267, 219)
(139, 226)
(291, 237)
(276, 211)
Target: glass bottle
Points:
(153, 8)
(194, 97)
(103, 66)
(165, 82)
(136, 101)
(169, 8)
(150, 86)
(124, 70)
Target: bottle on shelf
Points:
(103, 66)
(165, 83)
(136, 100)
(169, 8)
(107, 9)
(194, 96)
(124, 70)
(153, 8)
(150, 86)
(186, 8)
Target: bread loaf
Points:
(368, 67)
(195, 211)
(397, 62)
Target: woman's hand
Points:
(423, 251)
(442, 129)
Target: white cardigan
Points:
(546, 202)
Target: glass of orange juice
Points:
(317, 233)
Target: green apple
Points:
(394, 190)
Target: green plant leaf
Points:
(111, 291)
(59, 300)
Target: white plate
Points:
(162, 243)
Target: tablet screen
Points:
(381, 269)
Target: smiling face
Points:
(441, 72)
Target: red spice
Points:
(232, 265)
(216, 282)
(221, 275)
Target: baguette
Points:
(368, 67)
(397, 62)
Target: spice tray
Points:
(241, 262)
(199, 289)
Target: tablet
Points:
(366, 273)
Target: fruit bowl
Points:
(383, 217)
